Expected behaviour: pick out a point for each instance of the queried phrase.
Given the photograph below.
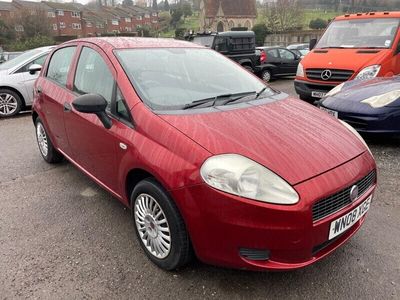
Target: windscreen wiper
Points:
(213, 100)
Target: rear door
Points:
(289, 61)
(53, 92)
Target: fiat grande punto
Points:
(213, 163)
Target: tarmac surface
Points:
(63, 237)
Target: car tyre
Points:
(10, 103)
(46, 148)
(266, 75)
(159, 226)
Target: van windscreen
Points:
(360, 33)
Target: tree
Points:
(318, 24)
(155, 5)
(166, 5)
(187, 10)
(284, 15)
(127, 2)
(164, 21)
(260, 31)
(34, 22)
(176, 16)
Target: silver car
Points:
(16, 82)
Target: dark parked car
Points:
(239, 46)
(279, 62)
(370, 106)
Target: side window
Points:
(39, 61)
(59, 65)
(285, 54)
(273, 53)
(93, 75)
(121, 109)
(220, 44)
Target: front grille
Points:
(334, 203)
(337, 75)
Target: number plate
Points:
(316, 94)
(333, 113)
(343, 223)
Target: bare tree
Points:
(31, 22)
(284, 15)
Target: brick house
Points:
(223, 15)
(65, 19)
(6, 10)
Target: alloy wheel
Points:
(266, 76)
(8, 104)
(152, 226)
(42, 139)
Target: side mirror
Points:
(313, 42)
(34, 68)
(93, 104)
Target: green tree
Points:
(180, 33)
(187, 9)
(318, 24)
(176, 16)
(261, 32)
(31, 43)
(164, 21)
(166, 5)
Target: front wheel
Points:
(159, 226)
(47, 150)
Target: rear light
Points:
(263, 56)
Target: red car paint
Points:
(279, 135)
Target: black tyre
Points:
(248, 68)
(266, 75)
(159, 226)
(307, 99)
(46, 148)
(10, 103)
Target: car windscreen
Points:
(20, 59)
(172, 78)
(360, 33)
(206, 40)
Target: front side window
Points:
(221, 44)
(172, 78)
(285, 54)
(59, 65)
(93, 75)
(273, 53)
(360, 33)
(38, 61)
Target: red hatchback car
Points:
(211, 161)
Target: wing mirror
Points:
(93, 104)
(313, 42)
(34, 68)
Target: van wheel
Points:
(159, 226)
(47, 150)
(10, 103)
(266, 75)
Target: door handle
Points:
(67, 107)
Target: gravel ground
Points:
(61, 236)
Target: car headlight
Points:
(350, 128)
(335, 90)
(241, 176)
(300, 70)
(369, 72)
(383, 99)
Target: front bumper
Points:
(220, 225)
(304, 89)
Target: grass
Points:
(192, 22)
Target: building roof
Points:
(30, 4)
(6, 6)
(231, 7)
(62, 6)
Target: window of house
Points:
(88, 24)
(60, 12)
(75, 14)
(76, 26)
(139, 18)
(59, 65)
(128, 29)
(19, 28)
(128, 20)
(114, 22)
(51, 14)
(154, 14)
(147, 16)
(93, 75)
(62, 25)
(54, 26)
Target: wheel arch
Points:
(133, 177)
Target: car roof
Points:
(135, 42)
(370, 15)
